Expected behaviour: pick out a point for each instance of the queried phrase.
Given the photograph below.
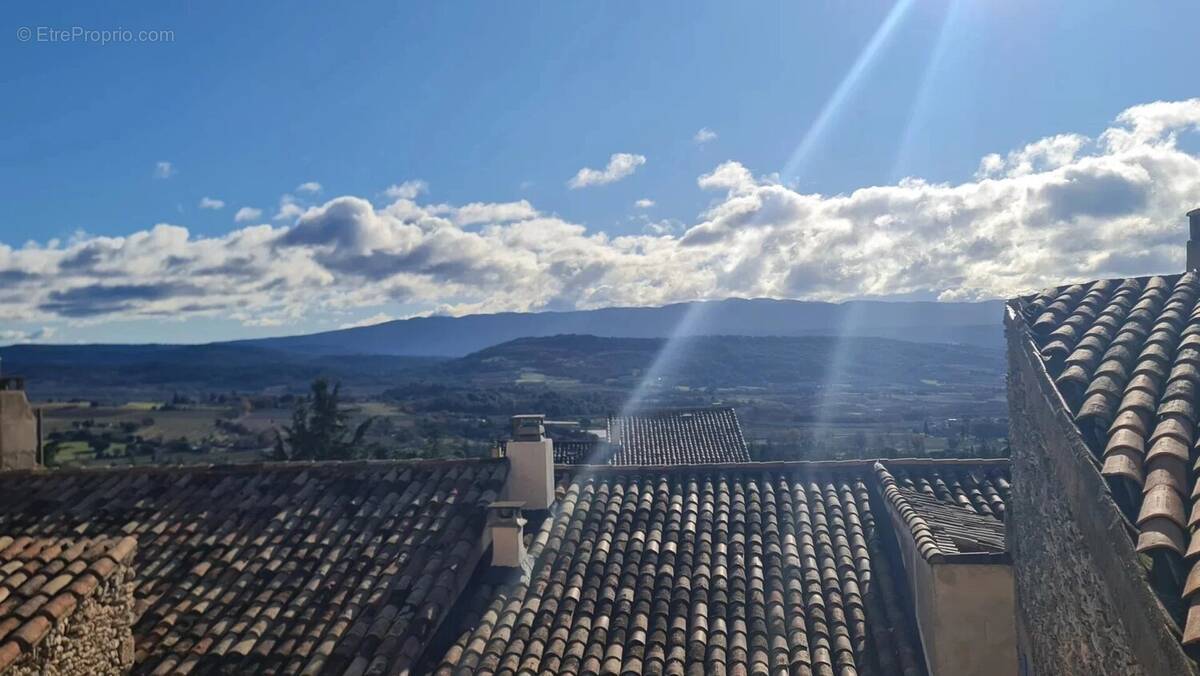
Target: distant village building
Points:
(706, 435)
(667, 437)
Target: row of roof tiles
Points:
(326, 568)
(1125, 355)
(677, 438)
(44, 580)
(352, 567)
(711, 570)
(944, 527)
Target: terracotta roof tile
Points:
(571, 452)
(1130, 379)
(981, 488)
(677, 438)
(701, 570)
(294, 568)
(33, 575)
(945, 526)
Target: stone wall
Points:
(95, 640)
(1084, 605)
(18, 431)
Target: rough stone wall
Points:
(1083, 603)
(95, 640)
(18, 431)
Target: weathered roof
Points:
(677, 438)
(982, 488)
(43, 581)
(704, 570)
(945, 523)
(1125, 356)
(295, 568)
(572, 452)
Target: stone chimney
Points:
(507, 528)
(531, 463)
(18, 427)
(1193, 245)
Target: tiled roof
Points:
(577, 452)
(1125, 356)
(292, 568)
(43, 581)
(702, 570)
(678, 438)
(943, 527)
(981, 488)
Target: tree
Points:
(320, 429)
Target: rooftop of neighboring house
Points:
(43, 583)
(1124, 358)
(704, 435)
(953, 515)
(722, 568)
(379, 567)
(290, 568)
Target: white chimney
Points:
(507, 528)
(1193, 245)
(531, 463)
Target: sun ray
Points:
(840, 95)
(920, 105)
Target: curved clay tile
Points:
(1162, 502)
(1123, 464)
(1180, 407)
(265, 573)
(1127, 439)
(1177, 428)
(1166, 471)
(705, 572)
(1160, 534)
(1170, 450)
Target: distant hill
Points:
(726, 361)
(926, 322)
(116, 371)
(112, 371)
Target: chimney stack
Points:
(507, 527)
(1193, 245)
(531, 463)
(18, 427)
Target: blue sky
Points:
(494, 103)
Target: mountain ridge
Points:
(974, 323)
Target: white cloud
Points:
(211, 203)
(289, 208)
(247, 214)
(502, 212)
(408, 190)
(163, 169)
(644, 203)
(1044, 155)
(378, 318)
(619, 166)
(310, 187)
(663, 227)
(731, 176)
(16, 336)
(1056, 210)
(704, 136)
